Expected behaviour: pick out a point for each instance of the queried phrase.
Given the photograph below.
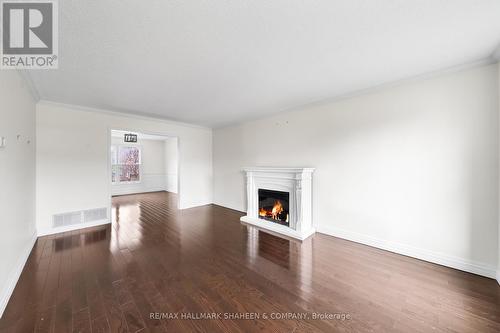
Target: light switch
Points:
(2, 141)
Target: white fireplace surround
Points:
(298, 183)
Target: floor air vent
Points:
(93, 215)
(83, 216)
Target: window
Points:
(125, 164)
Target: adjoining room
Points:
(143, 163)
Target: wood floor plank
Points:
(132, 317)
(100, 325)
(81, 321)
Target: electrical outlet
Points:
(2, 141)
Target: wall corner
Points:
(498, 166)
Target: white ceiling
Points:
(224, 61)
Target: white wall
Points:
(498, 253)
(72, 158)
(411, 168)
(171, 164)
(153, 172)
(17, 180)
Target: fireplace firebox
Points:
(274, 206)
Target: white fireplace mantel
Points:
(298, 183)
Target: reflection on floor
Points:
(156, 259)
(63, 243)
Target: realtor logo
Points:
(29, 34)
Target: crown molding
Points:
(30, 84)
(130, 114)
(371, 89)
(493, 58)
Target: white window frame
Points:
(130, 145)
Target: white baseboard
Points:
(46, 232)
(239, 209)
(193, 205)
(137, 191)
(148, 183)
(498, 277)
(410, 251)
(15, 274)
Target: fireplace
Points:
(279, 201)
(274, 206)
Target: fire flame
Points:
(274, 213)
(262, 212)
(277, 209)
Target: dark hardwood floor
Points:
(156, 259)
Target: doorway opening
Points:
(141, 162)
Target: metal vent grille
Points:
(83, 216)
(92, 215)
